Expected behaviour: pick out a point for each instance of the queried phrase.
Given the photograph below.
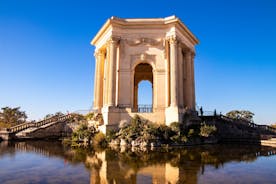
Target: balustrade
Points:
(24, 126)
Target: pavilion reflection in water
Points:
(175, 166)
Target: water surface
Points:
(51, 162)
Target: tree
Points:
(241, 115)
(59, 114)
(12, 116)
(49, 116)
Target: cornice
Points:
(142, 23)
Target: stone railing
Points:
(251, 124)
(144, 109)
(24, 126)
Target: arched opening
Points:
(145, 96)
(143, 88)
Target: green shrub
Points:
(207, 130)
(134, 130)
(183, 138)
(175, 126)
(110, 135)
(83, 132)
(191, 132)
(99, 140)
(89, 116)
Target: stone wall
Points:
(57, 130)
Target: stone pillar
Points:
(106, 75)
(167, 75)
(135, 105)
(184, 75)
(193, 81)
(113, 43)
(173, 71)
(180, 75)
(189, 95)
(98, 87)
(96, 105)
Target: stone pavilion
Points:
(128, 51)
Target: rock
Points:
(123, 142)
(134, 143)
(144, 144)
(155, 144)
(123, 149)
(115, 142)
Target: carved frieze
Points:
(142, 57)
(145, 41)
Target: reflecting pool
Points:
(51, 162)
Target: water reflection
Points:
(186, 165)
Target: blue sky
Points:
(47, 63)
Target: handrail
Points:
(24, 126)
(251, 124)
(144, 108)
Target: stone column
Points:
(180, 75)
(173, 71)
(184, 75)
(96, 81)
(112, 44)
(193, 80)
(106, 75)
(99, 78)
(167, 75)
(189, 95)
(136, 97)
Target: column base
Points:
(105, 128)
(111, 115)
(172, 115)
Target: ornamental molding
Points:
(144, 41)
(114, 40)
(142, 57)
(173, 40)
(99, 53)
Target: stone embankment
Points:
(237, 131)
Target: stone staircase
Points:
(25, 133)
(24, 130)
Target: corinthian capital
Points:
(99, 53)
(114, 40)
(188, 51)
(173, 40)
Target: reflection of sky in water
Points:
(28, 167)
(262, 170)
(48, 162)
